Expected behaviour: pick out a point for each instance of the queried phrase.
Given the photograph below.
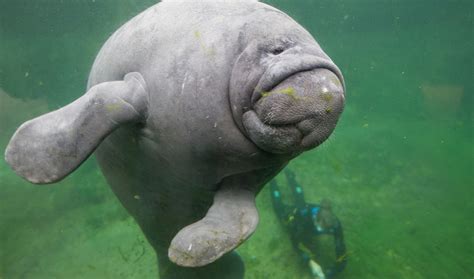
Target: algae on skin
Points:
(289, 91)
(326, 96)
(113, 107)
(210, 51)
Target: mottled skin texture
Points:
(217, 98)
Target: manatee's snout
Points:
(296, 114)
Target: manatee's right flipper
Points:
(49, 147)
(229, 266)
(231, 219)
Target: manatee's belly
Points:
(161, 191)
(137, 171)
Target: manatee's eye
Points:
(277, 50)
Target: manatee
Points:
(190, 108)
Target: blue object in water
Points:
(314, 211)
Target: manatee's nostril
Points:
(277, 50)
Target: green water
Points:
(399, 167)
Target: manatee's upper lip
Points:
(289, 65)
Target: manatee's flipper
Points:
(229, 266)
(231, 219)
(49, 147)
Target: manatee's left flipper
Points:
(49, 147)
(232, 218)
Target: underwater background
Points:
(398, 169)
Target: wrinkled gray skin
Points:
(191, 108)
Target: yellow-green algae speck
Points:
(289, 91)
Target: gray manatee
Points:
(191, 107)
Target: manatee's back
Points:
(149, 36)
(126, 50)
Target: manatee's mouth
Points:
(289, 102)
(291, 66)
(294, 111)
(266, 89)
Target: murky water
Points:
(398, 168)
